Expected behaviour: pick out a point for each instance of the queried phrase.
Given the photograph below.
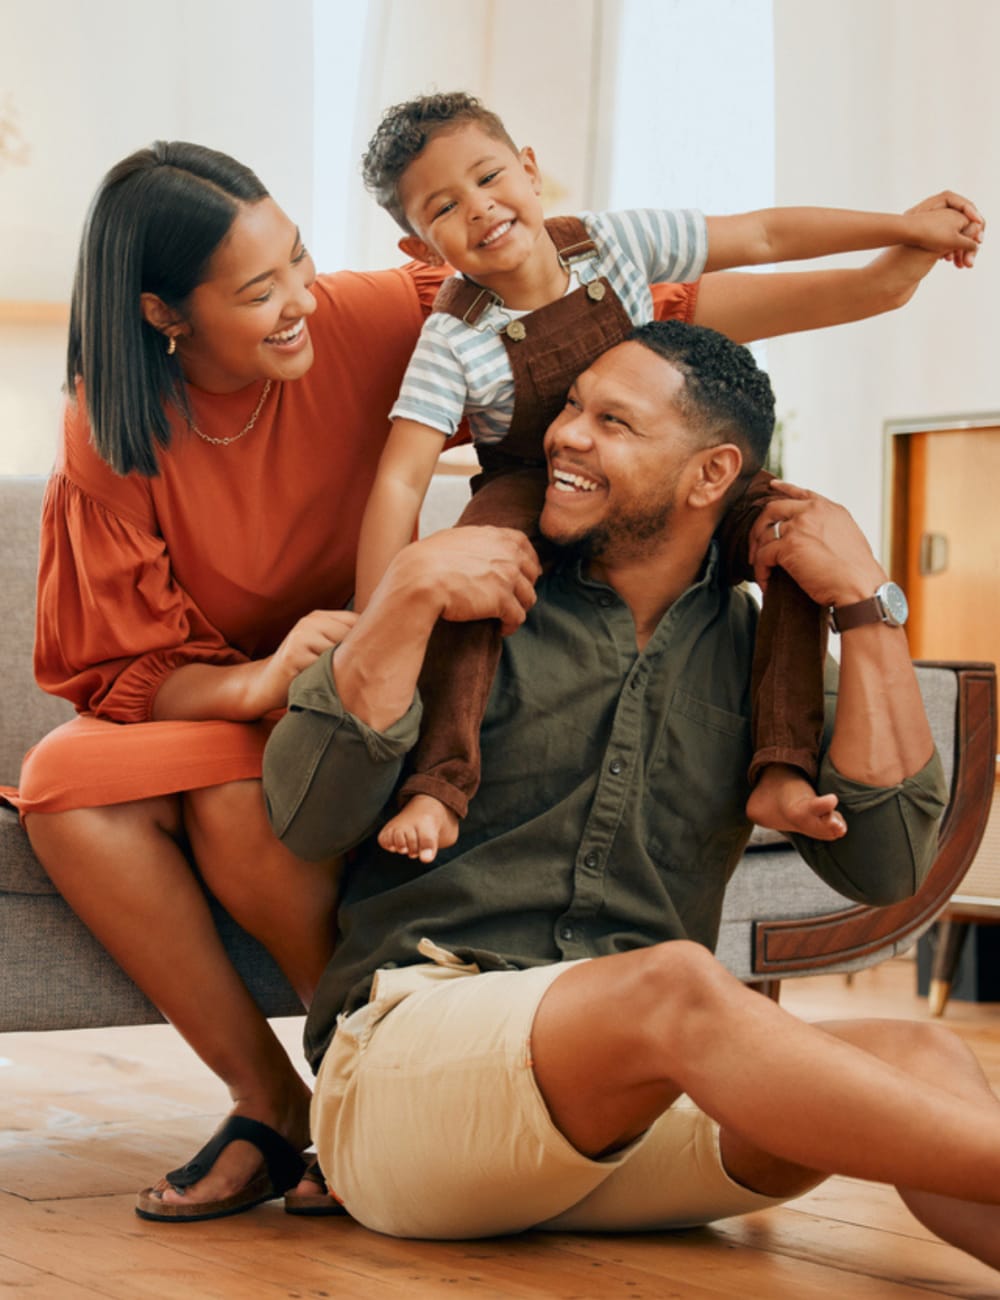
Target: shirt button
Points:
(605, 601)
(566, 932)
(615, 766)
(591, 860)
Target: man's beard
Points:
(622, 535)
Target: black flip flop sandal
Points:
(283, 1167)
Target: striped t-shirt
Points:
(459, 369)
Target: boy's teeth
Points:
(495, 234)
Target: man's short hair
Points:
(726, 396)
(405, 131)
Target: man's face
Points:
(616, 454)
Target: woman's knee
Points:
(226, 811)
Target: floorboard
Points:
(88, 1117)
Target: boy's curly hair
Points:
(405, 131)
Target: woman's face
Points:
(247, 320)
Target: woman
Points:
(228, 409)
(201, 519)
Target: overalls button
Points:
(516, 331)
(595, 291)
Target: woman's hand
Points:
(303, 645)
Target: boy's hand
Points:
(945, 231)
(975, 224)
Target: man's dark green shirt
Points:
(611, 811)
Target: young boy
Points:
(534, 304)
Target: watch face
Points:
(894, 602)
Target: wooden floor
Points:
(88, 1117)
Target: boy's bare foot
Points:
(420, 829)
(785, 801)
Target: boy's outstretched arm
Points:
(748, 307)
(404, 473)
(790, 234)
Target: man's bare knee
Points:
(612, 1039)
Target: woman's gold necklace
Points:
(224, 442)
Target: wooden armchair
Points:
(803, 938)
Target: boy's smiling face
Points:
(473, 203)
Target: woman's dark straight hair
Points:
(152, 227)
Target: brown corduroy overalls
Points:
(548, 349)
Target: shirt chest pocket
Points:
(696, 787)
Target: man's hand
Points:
(881, 734)
(818, 543)
(459, 574)
(475, 572)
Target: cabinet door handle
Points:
(933, 554)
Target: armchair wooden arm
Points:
(805, 945)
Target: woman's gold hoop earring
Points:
(171, 345)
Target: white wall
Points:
(693, 120)
(540, 64)
(93, 81)
(877, 103)
(880, 103)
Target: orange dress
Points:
(215, 559)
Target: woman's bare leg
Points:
(286, 903)
(123, 872)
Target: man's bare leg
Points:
(795, 1102)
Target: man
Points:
(486, 1077)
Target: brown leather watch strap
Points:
(865, 611)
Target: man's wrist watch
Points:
(888, 605)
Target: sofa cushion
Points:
(20, 870)
(26, 713)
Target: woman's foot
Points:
(785, 801)
(240, 1169)
(420, 829)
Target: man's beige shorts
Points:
(428, 1121)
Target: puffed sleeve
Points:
(111, 621)
(675, 301)
(427, 280)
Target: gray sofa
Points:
(779, 922)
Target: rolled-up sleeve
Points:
(891, 835)
(327, 775)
